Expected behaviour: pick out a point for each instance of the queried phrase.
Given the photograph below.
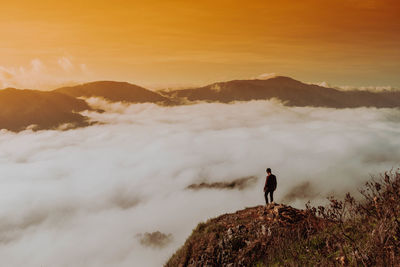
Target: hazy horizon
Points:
(343, 42)
(177, 86)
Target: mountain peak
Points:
(114, 91)
(279, 78)
(239, 237)
(363, 231)
(106, 83)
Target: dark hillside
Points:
(47, 110)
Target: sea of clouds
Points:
(86, 197)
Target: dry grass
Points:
(345, 233)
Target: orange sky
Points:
(167, 43)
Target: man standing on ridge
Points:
(270, 186)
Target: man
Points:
(270, 186)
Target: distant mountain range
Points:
(46, 110)
(289, 91)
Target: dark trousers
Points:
(271, 195)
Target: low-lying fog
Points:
(120, 194)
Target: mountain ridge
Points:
(288, 90)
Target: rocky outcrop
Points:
(242, 238)
(347, 232)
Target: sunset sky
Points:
(185, 43)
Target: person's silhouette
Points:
(270, 186)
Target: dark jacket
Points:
(270, 183)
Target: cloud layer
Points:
(44, 75)
(360, 88)
(81, 197)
